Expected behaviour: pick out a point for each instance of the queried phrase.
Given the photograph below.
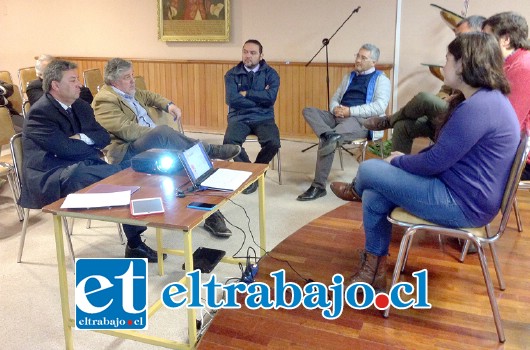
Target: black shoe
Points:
(251, 188)
(224, 152)
(142, 251)
(311, 194)
(328, 144)
(215, 224)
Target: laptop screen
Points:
(196, 162)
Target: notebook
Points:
(202, 174)
(108, 188)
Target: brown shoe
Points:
(359, 258)
(372, 272)
(345, 191)
(377, 123)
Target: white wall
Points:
(290, 30)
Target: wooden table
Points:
(176, 217)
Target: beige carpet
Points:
(30, 311)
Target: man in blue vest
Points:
(363, 93)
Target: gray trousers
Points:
(322, 121)
(416, 119)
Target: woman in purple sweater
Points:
(457, 182)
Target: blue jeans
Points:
(384, 187)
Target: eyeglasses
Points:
(362, 58)
(145, 121)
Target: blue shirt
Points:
(141, 114)
(473, 154)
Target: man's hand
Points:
(341, 111)
(75, 137)
(175, 112)
(393, 155)
(449, 98)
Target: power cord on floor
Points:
(249, 272)
(251, 269)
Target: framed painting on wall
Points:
(194, 20)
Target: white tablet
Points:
(146, 206)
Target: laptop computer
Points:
(202, 174)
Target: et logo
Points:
(111, 294)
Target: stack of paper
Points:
(96, 200)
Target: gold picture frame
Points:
(194, 20)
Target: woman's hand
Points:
(394, 155)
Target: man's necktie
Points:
(250, 78)
(70, 113)
(73, 121)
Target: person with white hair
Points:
(363, 93)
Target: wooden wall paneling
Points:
(197, 87)
(197, 94)
(185, 85)
(307, 89)
(221, 106)
(165, 78)
(188, 83)
(155, 77)
(210, 94)
(182, 91)
(302, 88)
(286, 105)
(201, 94)
(178, 94)
(148, 74)
(213, 94)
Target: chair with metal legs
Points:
(7, 169)
(523, 185)
(120, 230)
(17, 154)
(362, 143)
(479, 236)
(358, 143)
(254, 138)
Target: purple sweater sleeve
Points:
(473, 154)
(454, 142)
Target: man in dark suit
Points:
(62, 142)
(34, 89)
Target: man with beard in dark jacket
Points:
(251, 91)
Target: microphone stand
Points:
(325, 43)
